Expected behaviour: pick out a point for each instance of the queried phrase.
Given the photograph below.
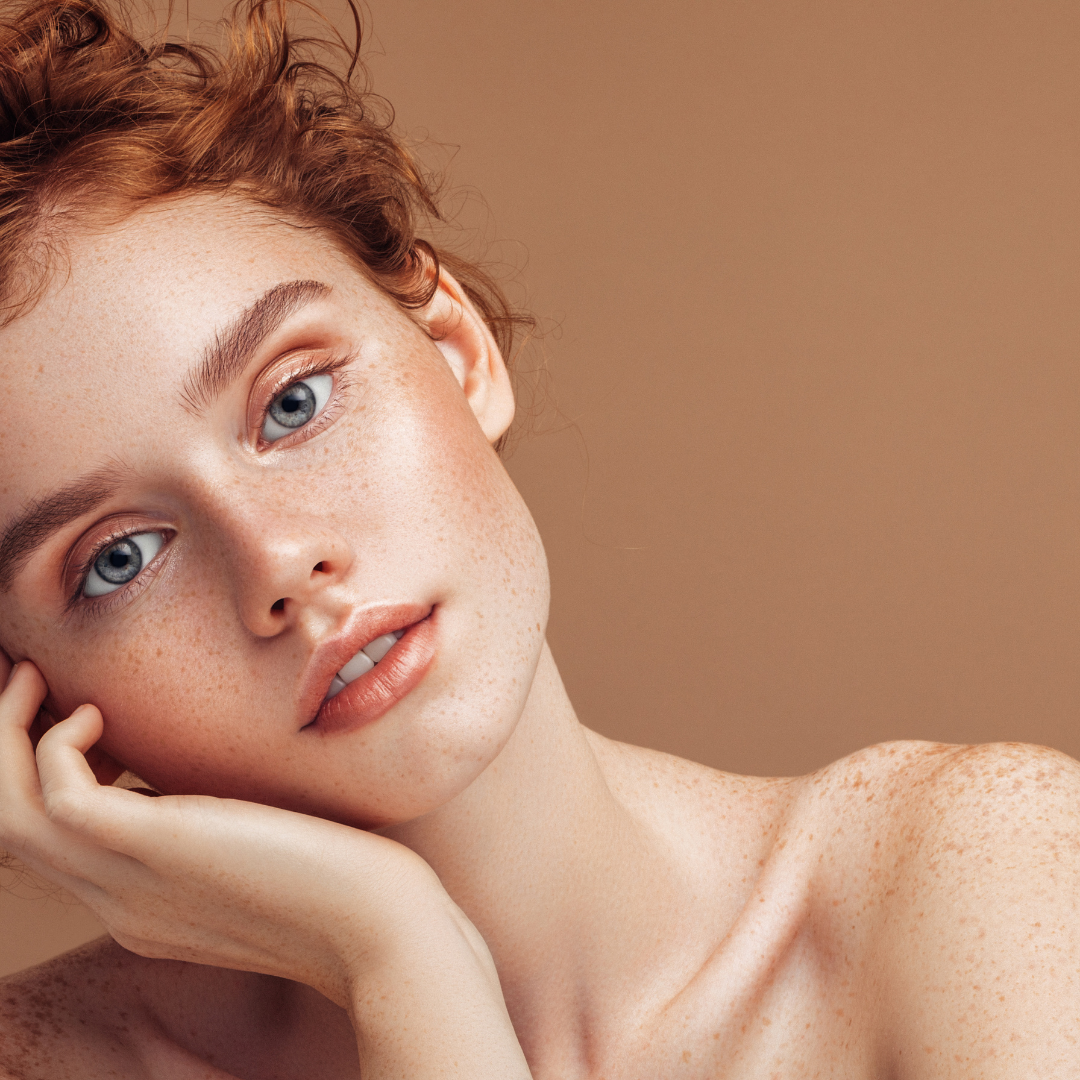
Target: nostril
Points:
(278, 605)
(319, 568)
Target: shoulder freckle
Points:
(981, 803)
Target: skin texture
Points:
(472, 884)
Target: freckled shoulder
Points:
(937, 806)
(955, 873)
(892, 816)
(67, 1019)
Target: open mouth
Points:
(385, 670)
(363, 662)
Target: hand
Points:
(240, 885)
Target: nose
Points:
(283, 576)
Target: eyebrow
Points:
(228, 354)
(42, 517)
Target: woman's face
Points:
(303, 469)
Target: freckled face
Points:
(227, 551)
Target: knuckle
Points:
(49, 734)
(66, 806)
(140, 944)
(130, 941)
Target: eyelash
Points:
(333, 366)
(101, 604)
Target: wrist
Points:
(428, 937)
(433, 1007)
(428, 1000)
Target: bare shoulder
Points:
(103, 1011)
(952, 874)
(910, 794)
(100, 1010)
(995, 826)
(887, 808)
(70, 1014)
(985, 832)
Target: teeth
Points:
(378, 648)
(359, 665)
(363, 661)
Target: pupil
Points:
(294, 406)
(119, 562)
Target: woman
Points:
(258, 548)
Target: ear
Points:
(462, 336)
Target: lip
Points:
(366, 699)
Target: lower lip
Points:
(397, 674)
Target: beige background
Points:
(808, 478)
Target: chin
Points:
(446, 759)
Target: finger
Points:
(24, 682)
(19, 704)
(25, 831)
(69, 789)
(61, 755)
(73, 837)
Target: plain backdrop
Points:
(802, 433)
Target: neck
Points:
(574, 892)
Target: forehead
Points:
(161, 274)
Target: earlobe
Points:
(462, 336)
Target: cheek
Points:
(451, 504)
(164, 679)
(24, 636)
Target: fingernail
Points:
(11, 674)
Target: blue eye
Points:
(121, 562)
(296, 405)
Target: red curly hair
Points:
(92, 117)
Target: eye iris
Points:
(294, 406)
(119, 562)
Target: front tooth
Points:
(357, 666)
(378, 648)
(336, 686)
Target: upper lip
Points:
(334, 653)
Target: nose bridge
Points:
(281, 554)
